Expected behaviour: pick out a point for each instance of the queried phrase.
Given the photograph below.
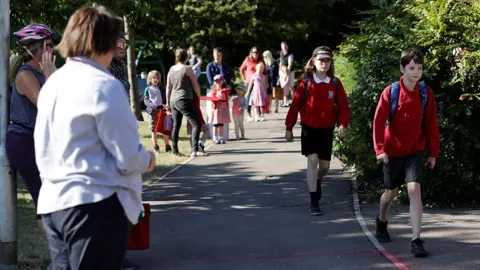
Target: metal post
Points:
(8, 188)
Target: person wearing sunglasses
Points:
(118, 68)
(27, 74)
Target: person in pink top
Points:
(220, 114)
(257, 91)
(239, 104)
(248, 68)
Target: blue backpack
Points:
(394, 96)
(307, 85)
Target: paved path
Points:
(246, 207)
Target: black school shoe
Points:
(382, 234)
(314, 204)
(418, 250)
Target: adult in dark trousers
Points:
(216, 67)
(181, 88)
(88, 150)
(28, 73)
(286, 59)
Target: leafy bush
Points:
(437, 28)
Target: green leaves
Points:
(437, 27)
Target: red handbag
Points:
(162, 126)
(140, 233)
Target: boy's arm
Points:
(381, 115)
(430, 126)
(343, 105)
(292, 114)
(146, 99)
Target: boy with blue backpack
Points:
(405, 122)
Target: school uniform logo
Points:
(330, 94)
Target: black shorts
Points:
(401, 170)
(317, 141)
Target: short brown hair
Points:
(90, 31)
(411, 54)
(181, 56)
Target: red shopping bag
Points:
(164, 123)
(140, 233)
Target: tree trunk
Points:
(132, 70)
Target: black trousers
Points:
(90, 236)
(180, 108)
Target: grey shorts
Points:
(401, 170)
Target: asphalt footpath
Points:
(246, 207)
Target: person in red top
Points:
(399, 145)
(248, 68)
(321, 107)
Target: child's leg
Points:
(277, 101)
(312, 167)
(154, 138)
(414, 194)
(220, 131)
(241, 118)
(166, 140)
(386, 203)
(237, 124)
(323, 167)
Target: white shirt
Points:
(87, 145)
(318, 80)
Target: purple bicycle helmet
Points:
(33, 32)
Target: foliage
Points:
(437, 27)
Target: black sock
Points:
(319, 188)
(314, 198)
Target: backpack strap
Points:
(395, 93)
(394, 96)
(423, 95)
(306, 83)
(335, 83)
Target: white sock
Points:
(215, 138)
(220, 138)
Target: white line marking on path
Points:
(366, 231)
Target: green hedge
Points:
(370, 61)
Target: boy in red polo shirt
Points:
(405, 122)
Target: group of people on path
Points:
(83, 167)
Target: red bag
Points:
(140, 233)
(163, 117)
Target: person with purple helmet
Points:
(27, 74)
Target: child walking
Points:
(258, 91)
(321, 100)
(220, 114)
(405, 122)
(154, 99)
(239, 105)
(285, 84)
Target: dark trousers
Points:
(90, 236)
(179, 109)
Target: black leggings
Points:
(179, 109)
(21, 154)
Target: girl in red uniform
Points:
(322, 103)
